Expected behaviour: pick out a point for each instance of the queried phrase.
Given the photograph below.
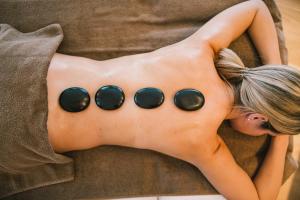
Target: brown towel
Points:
(27, 159)
(112, 28)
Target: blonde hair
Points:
(271, 90)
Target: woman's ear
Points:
(256, 116)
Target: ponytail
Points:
(229, 66)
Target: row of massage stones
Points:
(111, 97)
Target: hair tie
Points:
(244, 71)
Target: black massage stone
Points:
(109, 97)
(189, 99)
(149, 97)
(74, 99)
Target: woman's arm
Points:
(229, 24)
(269, 177)
(227, 177)
(232, 182)
(263, 33)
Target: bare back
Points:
(170, 69)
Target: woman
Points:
(247, 97)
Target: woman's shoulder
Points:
(186, 47)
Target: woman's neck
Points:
(232, 112)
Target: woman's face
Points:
(251, 124)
